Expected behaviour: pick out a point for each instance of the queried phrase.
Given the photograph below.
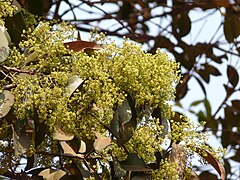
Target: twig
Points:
(9, 86)
(9, 69)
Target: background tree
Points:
(166, 24)
(136, 19)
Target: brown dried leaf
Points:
(46, 174)
(61, 136)
(67, 150)
(101, 142)
(214, 162)
(82, 45)
(56, 175)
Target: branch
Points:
(9, 86)
(9, 69)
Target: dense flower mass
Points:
(6, 8)
(108, 74)
(62, 93)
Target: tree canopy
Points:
(98, 110)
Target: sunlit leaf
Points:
(4, 49)
(56, 175)
(101, 142)
(196, 103)
(83, 147)
(73, 83)
(7, 100)
(68, 150)
(45, 173)
(60, 135)
(207, 108)
(49, 175)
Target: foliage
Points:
(169, 25)
(92, 109)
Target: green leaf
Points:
(15, 26)
(7, 100)
(231, 25)
(134, 163)
(124, 121)
(4, 41)
(73, 83)
(118, 171)
(196, 103)
(40, 132)
(21, 142)
(208, 109)
(233, 76)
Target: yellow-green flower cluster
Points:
(42, 97)
(185, 131)
(148, 77)
(44, 48)
(108, 74)
(166, 171)
(146, 141)
(6, 8)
